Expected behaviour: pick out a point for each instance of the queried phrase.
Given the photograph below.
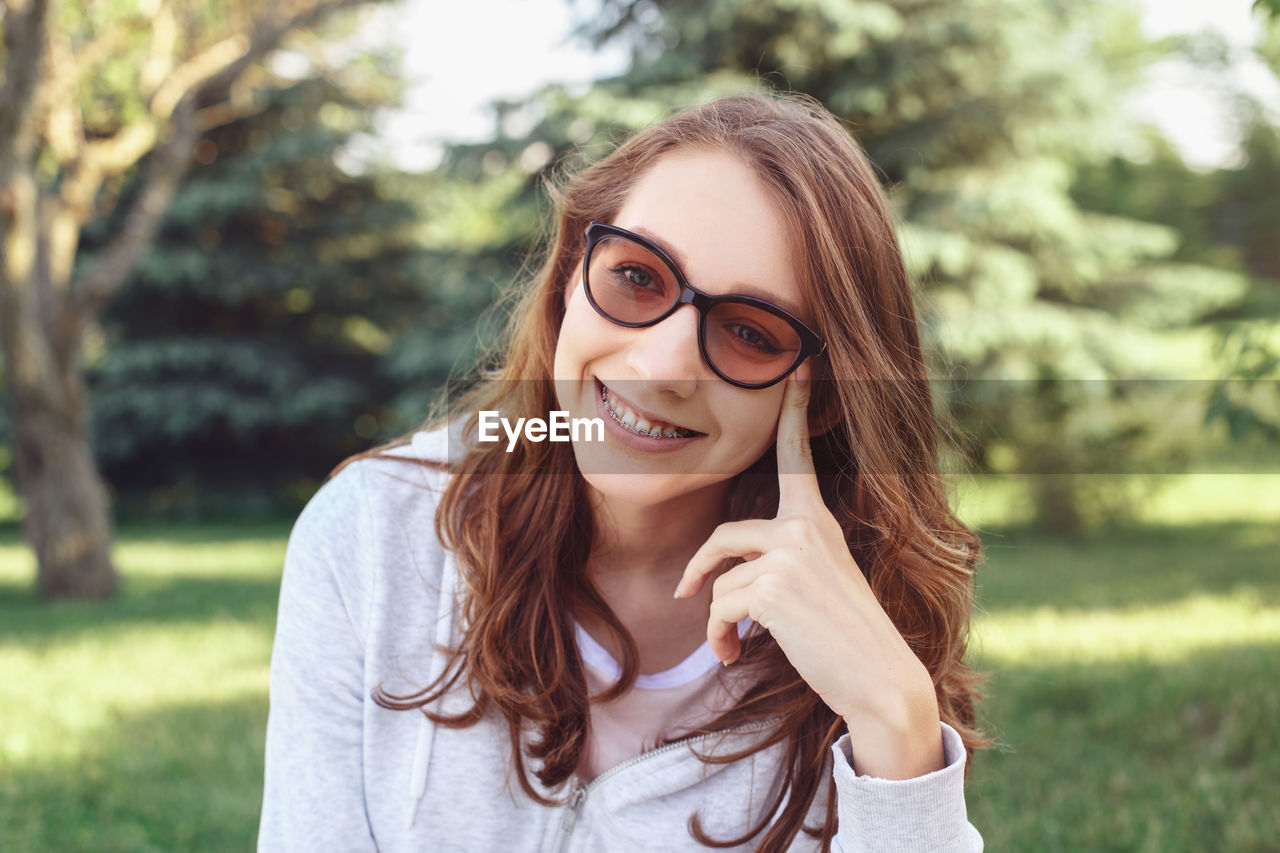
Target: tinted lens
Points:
(748, 344)
(628, 282)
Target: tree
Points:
(1226, 218)
(88, 92)
(245, 355)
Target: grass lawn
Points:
(1133, 692)
(137, 725)
(1132, 688)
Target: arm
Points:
(899, 777)
(313, 797)
(926, 813)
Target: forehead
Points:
(716, 219)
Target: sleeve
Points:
(922, 814)
(313, 796)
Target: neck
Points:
(653, 544)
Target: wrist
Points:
(899, 739)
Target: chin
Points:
(622, 475)
(651, 490)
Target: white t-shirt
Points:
(662, 704)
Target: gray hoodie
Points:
(368, 593)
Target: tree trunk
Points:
(66, 520)
(65, 517)
(1057, 503)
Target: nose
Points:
(666, 357)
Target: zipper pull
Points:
(574, 807)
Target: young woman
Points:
(734, 617)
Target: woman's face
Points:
(711, 214)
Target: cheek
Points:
(571, 291)
(567, 356)
(751, 422)
(579, 340)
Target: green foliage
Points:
(1247, 399)
(109, 94)
(980, 115)
(1227, 218)
(1160, 189)
(474, 239)
(1246, 210)
(246, 355)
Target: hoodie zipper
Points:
(580, 792)
(571, 812)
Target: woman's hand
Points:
(801, 583)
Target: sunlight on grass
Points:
(8, 501)
(1196, 498)
(17, 564)
(242, 558)
(189, 629)
(1156, 633)
(87, 684)
(993, 501)
(251, 555)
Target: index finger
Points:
(797, 480)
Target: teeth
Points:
(632, 422)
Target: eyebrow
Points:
(739, 288)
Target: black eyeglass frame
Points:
(810, 343)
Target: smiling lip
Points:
(646, 443)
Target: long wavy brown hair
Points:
(521, 525)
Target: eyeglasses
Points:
(747, 342)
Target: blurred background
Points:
(240, 244)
